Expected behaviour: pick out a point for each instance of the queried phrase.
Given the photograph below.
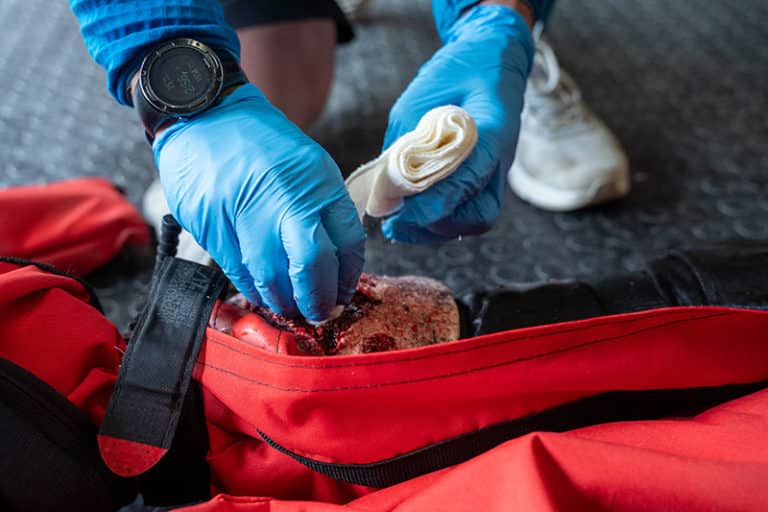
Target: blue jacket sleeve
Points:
(118, 33)
(446, 12)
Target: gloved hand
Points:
(482, 67)
(267, 203)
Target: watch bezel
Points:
(210, 59)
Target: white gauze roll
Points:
(443, 139)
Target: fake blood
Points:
(386, 313)
(325, 339)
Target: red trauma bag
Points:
(59, 359)
(717, 460)
(76, 225)
(357, 410)
(661, 409)
(51, 325)
(456, 426)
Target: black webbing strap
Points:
(144, 410)
(602, 408)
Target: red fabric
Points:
(716, 461)
(50, 329)
(128, 458)
(362, 409)
(76, 225)
(253, 328)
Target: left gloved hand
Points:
(482, 67)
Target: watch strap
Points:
(233, 73)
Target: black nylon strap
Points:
(602, 408)
(157, 368)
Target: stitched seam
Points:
(443, 354)
(458, 351)
(462, 372)
(216, 315)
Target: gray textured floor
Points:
(681, 83)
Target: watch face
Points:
(182, 76)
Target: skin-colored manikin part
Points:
(386, 313)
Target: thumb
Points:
(404, 116)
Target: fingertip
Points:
(403, 232)
(313, 267)
(399, 228)
(346, 232)
(316, 294)
(345, 295)
(348, 282)
(316, 305)
(276, 293)
(284, 309)
(244, 284)
(476, 216)
(350, 268)
(427, 207)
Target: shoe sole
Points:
(556, 199)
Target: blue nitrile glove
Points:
(267, 202)
(482, 67)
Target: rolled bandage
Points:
(443, 139)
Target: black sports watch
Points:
(181, 78)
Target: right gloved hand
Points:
(267, 203)
(482, 68)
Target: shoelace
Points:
(553, 98)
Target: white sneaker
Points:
(566, 157)
(155, 207)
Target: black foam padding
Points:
(725, 275)
(537, 305)
(627, 293)
(733, 275)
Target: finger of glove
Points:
(313, 266)
(226, 253)
(475, 216)
(346, 232)
(441, 199)
(221, 242)
(267, 265)
(243, 281)
(411, 234)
